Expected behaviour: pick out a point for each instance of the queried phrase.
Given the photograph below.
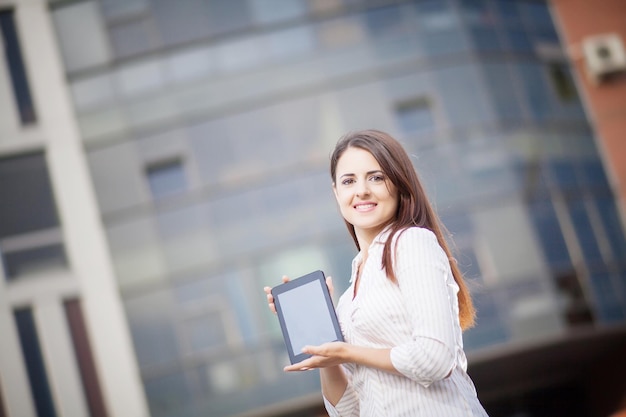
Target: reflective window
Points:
(270, 11)
(93, 91)
(609, 293)
(34, 361)
(113, 9)
(140, 77)
(613, 227)
(228, 15)
(189, 64)
(502, 87)
(463, 95)
(134, 37)
(415, 115)
(536, 90)
(240, 54)
(82, 36)
(550, 236)
(292, 42)
(587, 238)
(170, 395)
(562, 82)
(30, 238)
(166, 177)
(181, 20)
(13, 56)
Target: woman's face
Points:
(366, 198)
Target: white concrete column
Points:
(84, 236)
(58, 353)
(14, 385)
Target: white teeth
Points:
(364, 206)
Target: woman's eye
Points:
(347, 181)
(377, 178)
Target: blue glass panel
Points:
(166, 179)
(485, 38)
(35, 366)
(612, 227)
(415, 118)
(500, 83)
(536, 13)
(584, 230)
(519, 40)
(384, 21)
(508, 13)
(169, 396)
(536, 90)
(609, 297)
(19, 79)
(562, 173)
(594, 174)
(550, 236)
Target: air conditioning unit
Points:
(604, 55)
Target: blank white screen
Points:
(306, 316)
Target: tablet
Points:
(306, 314)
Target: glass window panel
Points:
(550, 235)
(134, 37)
(13, 55)
(270, 11)
(189, 64)
(113, 9)
(292, 42)
(181, 20)
(415, 115)
(536, 90)
(137, 257)
(339, 33)
(508, 260)
(594, 174)
(26, 193)
(485, 38)
(228, 15)
(613, 227)
(536, 13)
(166, 178)
(34, 260)
(205, 332)
(501, 85)
(185, 237)
(240, 54)
(93, 91)
(154, 334)
(384, 21)
(562, 83)
(117, 178)
(519, 40)
(585, 232)
(139, 77)
(82, 37)
(463, 95)
(563, 173)
(34, 361)
(170, 395)
(609, 294)
(211, 143)
(489, 168)
(508, 12)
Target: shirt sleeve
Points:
(429, 293)
(348, 405)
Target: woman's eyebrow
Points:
(350, 174)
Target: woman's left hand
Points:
(324, 356)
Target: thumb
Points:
(329, 284)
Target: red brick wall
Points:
(605, 102)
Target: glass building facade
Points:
(208, 125)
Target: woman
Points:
(404, 312)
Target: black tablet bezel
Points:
(318, 275)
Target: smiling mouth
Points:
(364, 207)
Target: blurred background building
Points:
(161, 161)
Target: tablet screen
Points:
(306, 314)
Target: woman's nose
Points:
(362, 189)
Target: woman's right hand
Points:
(270, 297)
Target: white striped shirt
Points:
(418, 318)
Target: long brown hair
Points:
(414, 209)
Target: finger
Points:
(285, 278)
(329, 284)
(268, 290)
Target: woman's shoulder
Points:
(416, 234)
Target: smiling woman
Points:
(403, 315)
